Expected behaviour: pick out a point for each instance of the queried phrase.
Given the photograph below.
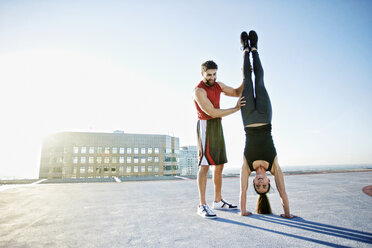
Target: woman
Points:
(259, 152)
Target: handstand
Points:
(259, 152)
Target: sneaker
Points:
(206, 212)
(244, 40)
(253, 38)
(224, 205)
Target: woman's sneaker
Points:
(244, 40)
(224, 205)
(253, 39)
(206, 212)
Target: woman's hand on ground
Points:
(245, 213)
(288, 216)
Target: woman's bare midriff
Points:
(256, 124)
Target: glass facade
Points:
(74, 155)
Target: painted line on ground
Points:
(184, 178)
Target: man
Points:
(210, 134)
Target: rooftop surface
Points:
(332, 208)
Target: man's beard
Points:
(209, 83)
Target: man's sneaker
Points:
(206, 212)
(253, 38)
(244, 40)
(224, 205)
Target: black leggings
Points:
(256, 110)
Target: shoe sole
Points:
(208, 217)
(225, 208)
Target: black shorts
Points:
(211, 142)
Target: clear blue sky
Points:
(132, 65)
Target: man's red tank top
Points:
(213, 94)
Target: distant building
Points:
(189, 160)
(100, 155)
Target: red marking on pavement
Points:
(368, 190)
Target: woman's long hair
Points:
(263, 204)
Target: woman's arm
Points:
(279, 181)
(244, 175)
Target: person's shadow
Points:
(300, 223)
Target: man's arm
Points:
(229, 91)
(279, 181)
(205, 104)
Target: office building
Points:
(102, 155)
(189, 160)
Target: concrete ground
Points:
(333, 212)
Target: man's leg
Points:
(263, 103)
(219, 202)
(248, 91)
(217, 180)
(202, 182)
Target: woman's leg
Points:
(263, 103)
(247, 90)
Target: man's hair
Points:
(209, 65)
(263, 204)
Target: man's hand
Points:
(240, 103)
(288, 216)
(245, 213)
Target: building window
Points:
(143, 168)
(143, 150)
(114, 160)
(156, 150)
(91, 150)
(113, 169)
(156, 168)
(129, 160)
(84, 149)
(135, 160)
(75, 150)
(121, 150)
(135, 150)
(149, 168)
(156, 159)
(129, 150)
(121, 160)
(98, 170)
(83, 160)
(149, 150)
(99, 160)
(107, 160)
(90, 169)
(129, 169)
(135, 169)
(82, 170)
(168, 167)
(149, 159)
(143, 160)
(74, 170)
(107, 150)
(75, 160)
(121, 169)
(114, 150)
(99, 150)
(91, 160)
